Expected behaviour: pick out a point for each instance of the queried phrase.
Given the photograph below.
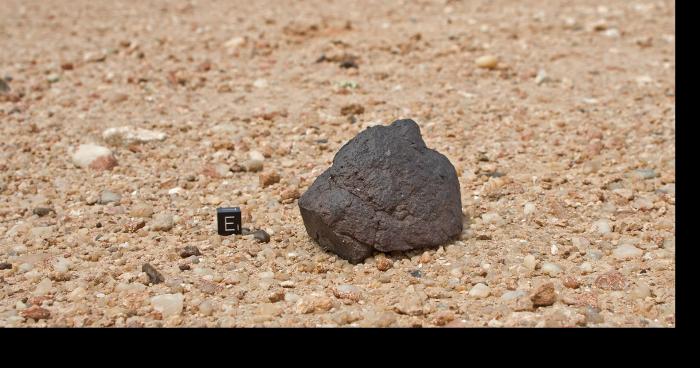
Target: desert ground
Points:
(559, 117)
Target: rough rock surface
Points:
(385, 191)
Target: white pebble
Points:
(586, 267)
(550, 269)
(641, 291)
(480, 291)
(529, 208)
(206, 308)
(580, 243)
(260, 83)
(601, 226)
(530, 262)
(491, 218)
(87, 153)
(627, 251)
(77, 294)
(25, 267)
(168, 304)
(43, 288)
(542, 77)
(487, 62)
(127, 134)
(511, 295)
(61, 265)
(554, 249)
(163, 222)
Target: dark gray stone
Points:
(261, 236)
(385, 191)
(154, 277)
(189, 251)
(42, 211)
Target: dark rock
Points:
(42, 211)
(189, 251)
(4, 86)
(184, 267)
(261, 236)
(385, 191)
(154, 276)
(5, 266)
(349, 63)
(352, 109)
(416, 273)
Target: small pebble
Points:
(641, 291)
(42, 211)
(347, 292)
(544, 295)
(530, 262)
(290, 193)
(491, 218)
(352, 109)
(142, 210)
(627, 251)
(163, 222)
(43, 288)
(261, 236)
(487, 62)
(571, 282)
(593, 315)
(94, 156)
(269, 178)
(108, 197)
(512, 295)
(383, 264)
(254, 162)
(154, 277)
(36, 312)
(168, 304)
(5, 266)
(550, 269)
(601, 227)
(189, 251)
(127, 135)
(479, 291)
(542, 77)
(184, 267)
(645, 174)
(529, 208)
(586, 267)
(611, 280)
(206, 308)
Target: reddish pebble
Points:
(36, 313)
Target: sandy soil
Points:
(565, 152)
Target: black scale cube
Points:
(228, 220)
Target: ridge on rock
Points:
(385, 191)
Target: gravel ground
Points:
(559, 117)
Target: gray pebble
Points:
(645, 173)
(593, 316)
(4, 86)
(261, 236)
(154, 276)
(108, 197)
